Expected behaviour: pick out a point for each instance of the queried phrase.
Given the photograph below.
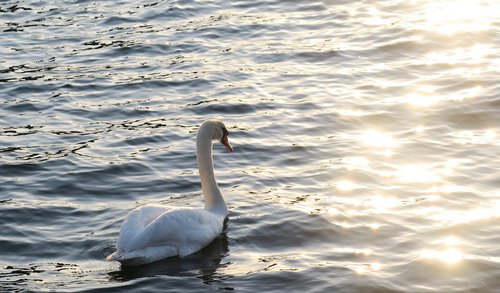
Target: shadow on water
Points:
(203, 264)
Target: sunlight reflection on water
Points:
(453, 16)
(378, 139)
(450, 255)
(419, 173)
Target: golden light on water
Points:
(425, 96)
(421, 100)
(420, 129)
(383, 203)
(356, 163)
(388, 153)
(447, 189)
(452, 16)
(450, 255)
(450, 240)
(378, 139)
(376, 266)
(368, 268)
(476, 137)
(464, 216)
(490, 134)
(345, 185)
(406, 170)
(419, 173)
(351, 112)
(472, 55)
(467, 93)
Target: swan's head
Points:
(219, 131)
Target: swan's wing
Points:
(136, 221)
(187, 230)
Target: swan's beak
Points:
(226, 143)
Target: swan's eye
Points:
(225, 132)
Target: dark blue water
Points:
(366, 142)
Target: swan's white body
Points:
(150, 233)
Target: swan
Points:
(150, 233)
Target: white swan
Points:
(150, 233)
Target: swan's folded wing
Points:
(136, 221)
(188, 230)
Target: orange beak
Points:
(226, 143)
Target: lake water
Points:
(366, 138)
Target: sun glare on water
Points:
(454, 16)
(418, 173)
(378, 139)
(450, 256)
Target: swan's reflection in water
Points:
(203, 264)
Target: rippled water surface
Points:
(366, 137)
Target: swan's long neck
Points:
(214, 202)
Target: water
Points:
(366, 138)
